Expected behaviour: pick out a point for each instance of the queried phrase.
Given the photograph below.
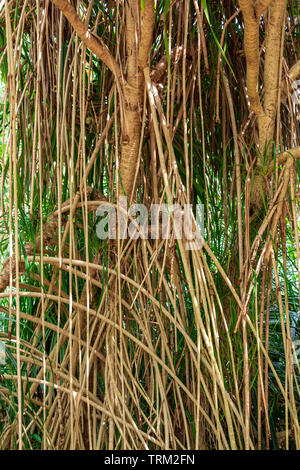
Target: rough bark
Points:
(272, 72)
(266, 112)
(138, 45)
(93, 42)
(261, 6)
(138, 36)
(251, 45)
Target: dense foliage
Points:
(143, 344)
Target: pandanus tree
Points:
(141, 343)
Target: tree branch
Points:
(291, 76)
(146, 34)
(283, 157)
(261, 6)
(272, 71)
(93, 42)
(294, 72)
(161, 67)
(251, 45)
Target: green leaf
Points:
(37, 438)
(166, 39)
(215, 37)
(14, 362)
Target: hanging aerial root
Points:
(49, 240)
